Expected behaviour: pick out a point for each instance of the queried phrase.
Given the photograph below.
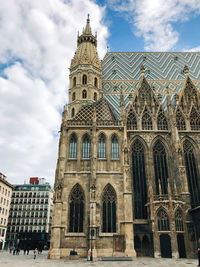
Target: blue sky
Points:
(38, 41)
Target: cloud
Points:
(38, 40)
(154, 20)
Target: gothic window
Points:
(163, 221)
(179, 221)
(160, 167)
(84, 79)
(162, 121)
(76, 209)
(180, 121)
(73, 96)
(109, 209)
(73, 112)
(115, 147)
(84, 94)
(95, 96)
(139, 181)
(131, 121)
(74, 81)
(72, 147)
(95, 82)
(192, 173)
(194, 120)
(102, 147)
(146, 121)
(86, 146)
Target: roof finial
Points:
(87, 28)
(142, 70)
(88, 16)
(186, 70)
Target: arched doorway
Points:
(165, 246)
(181, 245)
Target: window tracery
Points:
(163, 221)
(73, 146)
(180, 121)
(131, 121)
(179, 221)
(162, 121)
(86, 147)
(102, 147)
(84, 79)
(84, 94)
(194, 120)
(146, 121)
(109, 200)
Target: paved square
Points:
(9, 260)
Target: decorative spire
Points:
(88, 28)
(87, 35)
(186, 70)
(142, 70)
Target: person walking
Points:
(35, 253)
(198, 252)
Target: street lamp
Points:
(91, 234)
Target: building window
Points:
(115, 147)
(131, 121)
(74, 81)
(73, 112)
(95, 96)
(95, 82)
(192, 173)
(76, 210)
(160, 167)
(84, 79)
(109, 209)
(139, 180)
(180, 121)
(73, 96)
(163, 221)
(162, 121)
(84, 94)
(194, 120)
(146, 121)
(179, 221)
(86, 147)
(102, 147)
(72, 147)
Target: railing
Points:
(166, 197)
(79, 123)
(98, 123)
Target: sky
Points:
(37, 43)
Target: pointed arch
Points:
(76, 209)
(84, 94)
(73, 112)
(102, 146)
(84, 79)
(139, 180)
(146, 121)
(131, 121)
(194, 120)
(179, 220)
(162, 121)
(163, 220)
(95, 96)
(115, 147)
(73, 146)
(192, 172)
(73, 96)
(160, 167)
(95, 82)
(109, 203)
(180, 121)
(74, 81)
(86, 147)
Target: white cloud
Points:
(154, 19)
(38, 40)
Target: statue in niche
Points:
(93, 191)
(58, 190)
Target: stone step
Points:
(116, 259)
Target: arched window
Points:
(115, 147)
(72, 147)
(192, 173)
(86, 147)
(84, 79)
(102, 147)
(146, 121)
(179, 221)
(109, 209)
(131, 121)
(139, 181)
(180, 121)
(84, 94)
(73, 112)
(194, 120)
(163, 221)
(73, 96)
(95, 82)
(95, 96)
(76, 210)
(74, 81)
(162, 121)
(160, 167)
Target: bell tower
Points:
(85, 72)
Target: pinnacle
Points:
(88, 28)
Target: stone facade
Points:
(127, 177)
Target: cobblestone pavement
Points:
(9, 260)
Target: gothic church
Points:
(128, 171)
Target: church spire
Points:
(87, 35)
(88, 30)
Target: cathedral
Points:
(127, 180)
